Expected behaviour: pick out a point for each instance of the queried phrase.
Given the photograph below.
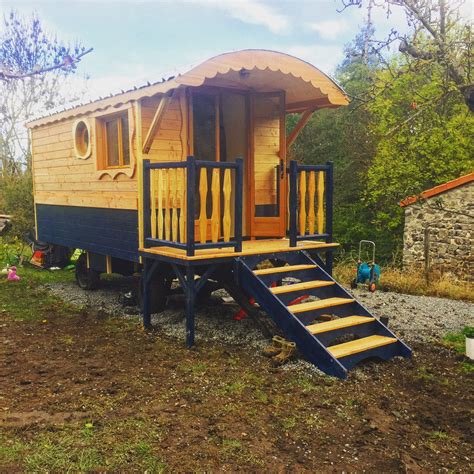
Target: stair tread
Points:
(338, 324)
(319, 304)
(284, 269)
(304, 285)
(360, 345)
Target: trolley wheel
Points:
(86, 278)
(372, 287)
(354, 284)
(160, 287)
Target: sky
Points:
(139, 41)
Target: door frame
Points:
(268, 226)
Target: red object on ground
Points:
(241, 314)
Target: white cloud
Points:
(254, 12)
(329, 29)
(325, 58)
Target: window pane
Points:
(125, 141)
(204, 123)
(111, 130)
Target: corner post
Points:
(190, 291)
(293, 202)
(329, 213)
(146, 202)
(190, 197)
(239, 182)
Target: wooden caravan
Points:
(189, 178)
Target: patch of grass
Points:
(234, 450)
(439, 435)
(457, 341)
(425, 373)
(288, 423)
(411, 282)
(236, 387)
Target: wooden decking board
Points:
(305, 285)
(319, 304)
(340, 323)
(360, 345)
(249, 247)
(284, 269)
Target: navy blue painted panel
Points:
(111, 232)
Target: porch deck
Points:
(249, 247)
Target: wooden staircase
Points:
(351, 334)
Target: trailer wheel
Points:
(159, 290)
(86, 278)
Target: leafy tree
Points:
(34, 70)
(419, 144)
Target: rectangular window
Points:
(116, 141)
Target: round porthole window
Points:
(82, 139)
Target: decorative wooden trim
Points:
(84, 155)
(304, 119)
(314, 104)
(133, 132)
(155, 123)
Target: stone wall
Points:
(449, 218)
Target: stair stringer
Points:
(292, 327)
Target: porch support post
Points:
(293, 202)
(190, 198)
(329, 213)
(190, 291)
(146, 278)
(238, 204)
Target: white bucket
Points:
(470, 347)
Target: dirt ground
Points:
(84, 391)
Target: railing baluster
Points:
(302, 213)
(174, 203)
(167, 205)
(153, 202)
(320, 202)
(227, 189)
(182, 203)
(215, 217)
(311, 196)
(203, 202)
(160, 202)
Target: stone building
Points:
(439, 229)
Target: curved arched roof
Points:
(305, 85)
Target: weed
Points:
(288, 423)
(439, 435)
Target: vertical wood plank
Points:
(215, 217)
(320, 202)
(182, 198)
(227, 189)
(160, 202)
(153, 202)
(167, 205)
(311, 196)
(203, 202)
(302, 193)
(174, 204)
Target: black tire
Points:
(86, 278)
(160, 289)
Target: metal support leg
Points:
(147, 270)
(190, 300)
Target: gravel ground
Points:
(414, 318)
